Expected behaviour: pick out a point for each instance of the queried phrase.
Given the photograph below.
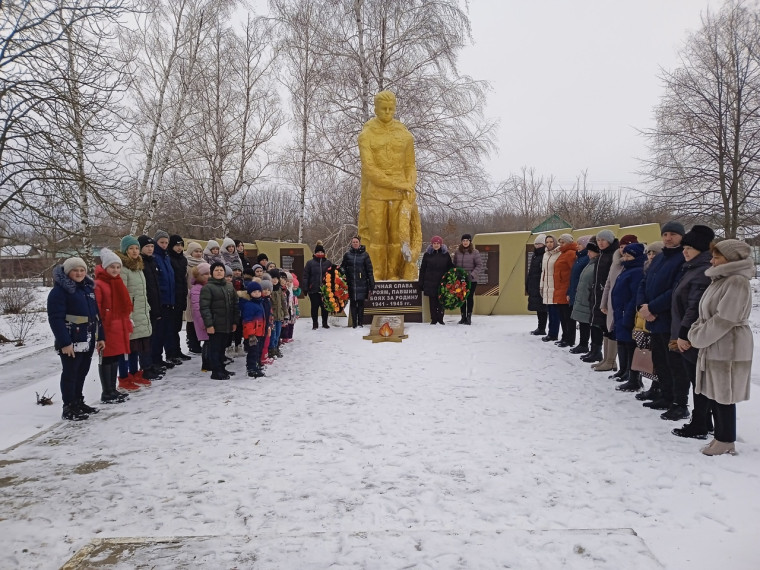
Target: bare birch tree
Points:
(705, 148)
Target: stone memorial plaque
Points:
(291, 259)
(488, 281)
(394, 298)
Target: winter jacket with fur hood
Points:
(72, 310)
(134, 278)
(722, 333)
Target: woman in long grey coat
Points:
(582, 309)
(724, 339)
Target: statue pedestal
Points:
(394, 298)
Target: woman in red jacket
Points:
(115, 306)
(563, 269)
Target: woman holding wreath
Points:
(468, 258)
(436, 261)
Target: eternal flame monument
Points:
(389, 221)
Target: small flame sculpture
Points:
(385, 330)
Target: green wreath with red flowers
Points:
(334, 290)
(454, 288)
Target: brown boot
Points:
(610, 357)
(716, 447)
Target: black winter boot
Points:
(633, 384)
(580, 349)
(691, 430)
(72, 413)
(81, 406)
(463, 320)
(652, 394)
(109, 394)
(538, 332)
(361, 316)
(594, 355)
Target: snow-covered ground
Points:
(462, 447)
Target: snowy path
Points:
(444, 451)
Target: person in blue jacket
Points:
(73, 317)
(623, 301)
(654, 304)
(254, 327)
(162, 333)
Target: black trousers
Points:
(625, 352)
(173, 348)
(702, 404)
(217, 342)
(568, 324)
(669, 368)
(73, 374)
(542, 318)
(725, 421)
(436, 309)
(469, 302)
(585, 332)
(597, 336)
(316, 306)
(193, 344)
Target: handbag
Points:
(642, 360)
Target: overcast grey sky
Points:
(573, 80)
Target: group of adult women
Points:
(685, 300)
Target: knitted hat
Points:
(203, 268)
(126, 242)
(227, 271)
(266, 285)
(215, 265)
(236, 265)
(436, 239)
(466, 236)
(256, 266)
(674, 227)
(107, 257)
(635, 249)
(606, 235)
(211, 244)
(261, 257)
(227, 243)
(176, 240)
(583, 240)
(567, 238)
(73, 263)
(274, 273)
(160, 234)
(193, 246)
(319, 247)
(252, 286)
(248, 271)
(144, 240)
(540, 239)
(655, 246)
(266, 277)
(699, 237)
(733, 249)
(628, 238)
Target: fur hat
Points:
(674, 227)
(193, 246)
(567, 238)
(733, 249)
(261, 257)
(436, 239)
(655, 246)
(107, 257)
(583, 240)
(628, 238)
(606, 235)
(540, 239)
(215, 265)
(73, 263)
(699, 237)
(266, 285)
(202, 269)
(248, 271)
(635, 249)
(466, 236)
(160, 234)
(126, 242)
(144, 240)
(252, 286)
(176, 240)
(591, 246)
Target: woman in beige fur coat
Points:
(724, 339)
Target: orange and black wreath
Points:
(334, 290)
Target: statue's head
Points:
(385, 106)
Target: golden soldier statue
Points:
(389, 221)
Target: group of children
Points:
(141, 297)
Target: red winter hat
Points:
(628, 238)
(436, 239)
